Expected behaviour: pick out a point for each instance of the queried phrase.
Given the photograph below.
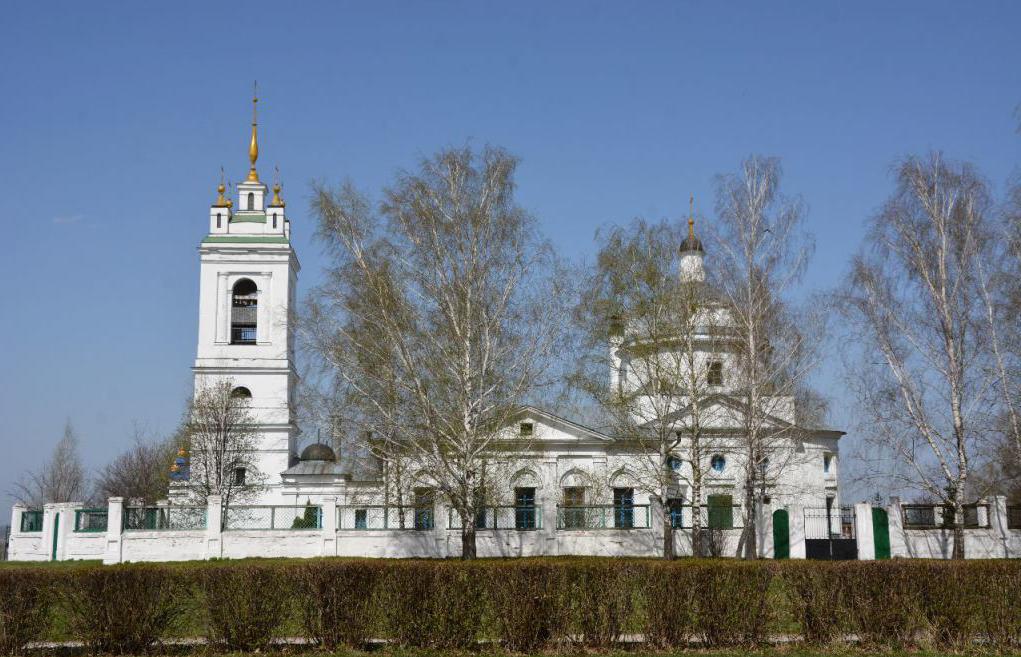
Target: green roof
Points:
(248, 219)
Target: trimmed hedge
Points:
(121, 609)
(25, 597)
(524, 605)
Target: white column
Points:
(796, 519)
(16, 512)
(329, 530)
(764, 526)
(214, 527)
(863, 531)
(441, 535)
(898, 539)
(51, 529)
(114, 550)
(657, 526)
(548, 504)
(998, 526)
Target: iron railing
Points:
(710, 517)
(272, 517)
(242, 335)
(374, 517)
(31, 521)
(90, 520)
(603, 516)
(1014, 517)
(164, 517)
(827, 523)
(936, 516)
(501, 517)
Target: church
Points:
(568, 473)
(566, 488)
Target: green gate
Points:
(781, 534)
(881, 532)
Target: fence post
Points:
(998, 524)
(51, 531)
(441, 520)
(796, 516)
(863, 531)
(764, 527)
(214, 527)
(114, 551)
(898, 538)
(329, 529)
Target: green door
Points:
(56, 533)
(881, 533)
(781, 534)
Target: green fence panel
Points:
(881, 532)
(781, 534)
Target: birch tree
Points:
(60, 479)
(763, 252)
(222, 440)
(650, 339)
(918, 302)
(438, 317)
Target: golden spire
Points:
(691, 217)
(277, 201)
(253, 147)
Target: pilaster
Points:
(114, 549)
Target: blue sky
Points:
(117, 117)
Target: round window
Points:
(718, 462)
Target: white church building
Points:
(570, 489)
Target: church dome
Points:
(318, 452)
(691, 243)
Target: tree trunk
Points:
(468, 549)
(958, 552)
(750, 548)
(668, 532)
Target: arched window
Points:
(219, 218)
(251, 200)
(718, 462)
(241, 392)
(243, 312)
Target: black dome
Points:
(691, 243)
(318, 452)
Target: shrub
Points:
(949, 597)
(121, 609)
(527, 603)
(433, 604)
(816, 593)
(245, 604)
(999, 610)
(881, 604)
(670, 598)
(337, 601)
(731, 601)
(603, 595)
(25, 597)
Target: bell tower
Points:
(248, 275)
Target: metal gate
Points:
(830, 533)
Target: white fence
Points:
(167, 533)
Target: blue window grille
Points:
(624, 507)
(676, 508)
(361, 518)
(524, 508)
